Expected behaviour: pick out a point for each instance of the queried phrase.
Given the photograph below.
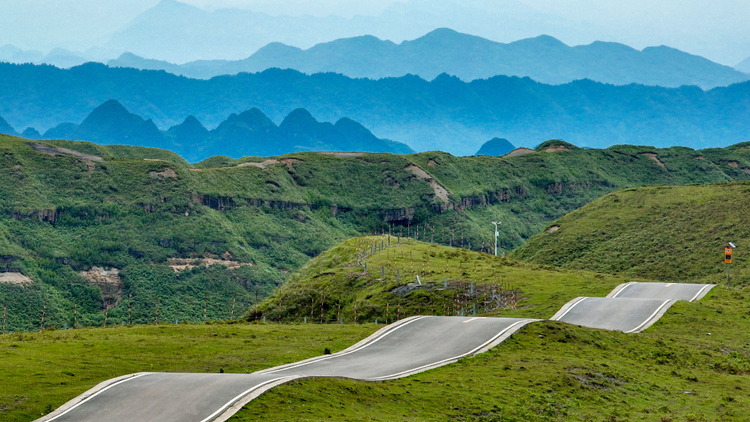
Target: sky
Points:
(717, 30)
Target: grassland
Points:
(40, 372)
(661, 232)
(140, 207)
(336, 284)
(692, 365)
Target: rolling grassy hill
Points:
(660, 232)
(89, 226)
(690, 365)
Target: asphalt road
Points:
(631, 307)
(410, 346)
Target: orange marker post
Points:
(728, 260)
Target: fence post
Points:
(44, 310)
(231, 316)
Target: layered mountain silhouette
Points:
(544, 59)
(496, 147)
(744, 66)
(249, 133)
(6, 128)
(443, 114)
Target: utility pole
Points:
(497, 233)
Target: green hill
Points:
(660, 232)
(381, 278)
(83, 225)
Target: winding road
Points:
(407, 347)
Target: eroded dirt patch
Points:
(108, 280)
(15, 278)
(733, 164)
(700, 157)
(167, 173)
(344, 154)
(182, 264)
(655, 158)
(519, 151)
(557, 148)
(53, 150)
(264, 165)
(553, 229)
(439, 190)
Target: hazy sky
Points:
(714, 29)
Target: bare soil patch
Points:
(519, 151)
(182, 264)
(557, 148)
(108, 280)
(15, 278)
(440, 191)
(344, 154)
(53, 150)
(553, 229)
(264, 165)
(655, 158)
(167, 173)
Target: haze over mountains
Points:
(544, 59)
(744, 66)
(251, 133)
(443, 114)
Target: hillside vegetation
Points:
(138, 227)
(403, 277)
(690, 365)
(661, 232)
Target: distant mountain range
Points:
(249, 133)
(444, 114)
(744, 66)
(496, 147)
(544, 59)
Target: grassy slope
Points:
(548, 371)
(120, 213)
(675, 371)
(666, 233)
(335, 277)
(41, 372)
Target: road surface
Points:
(631, 307)
(407, 347)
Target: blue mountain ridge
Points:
(249, 133)
(543, 58)
(443, 114)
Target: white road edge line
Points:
(623, 288)
(700, 291)
(649, 318)
(569, 309)
(94, 395)
(469, 320)
(231, 402)
(337, 355)
(453, 358)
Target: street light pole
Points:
(496, 234)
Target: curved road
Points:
(410, 346)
